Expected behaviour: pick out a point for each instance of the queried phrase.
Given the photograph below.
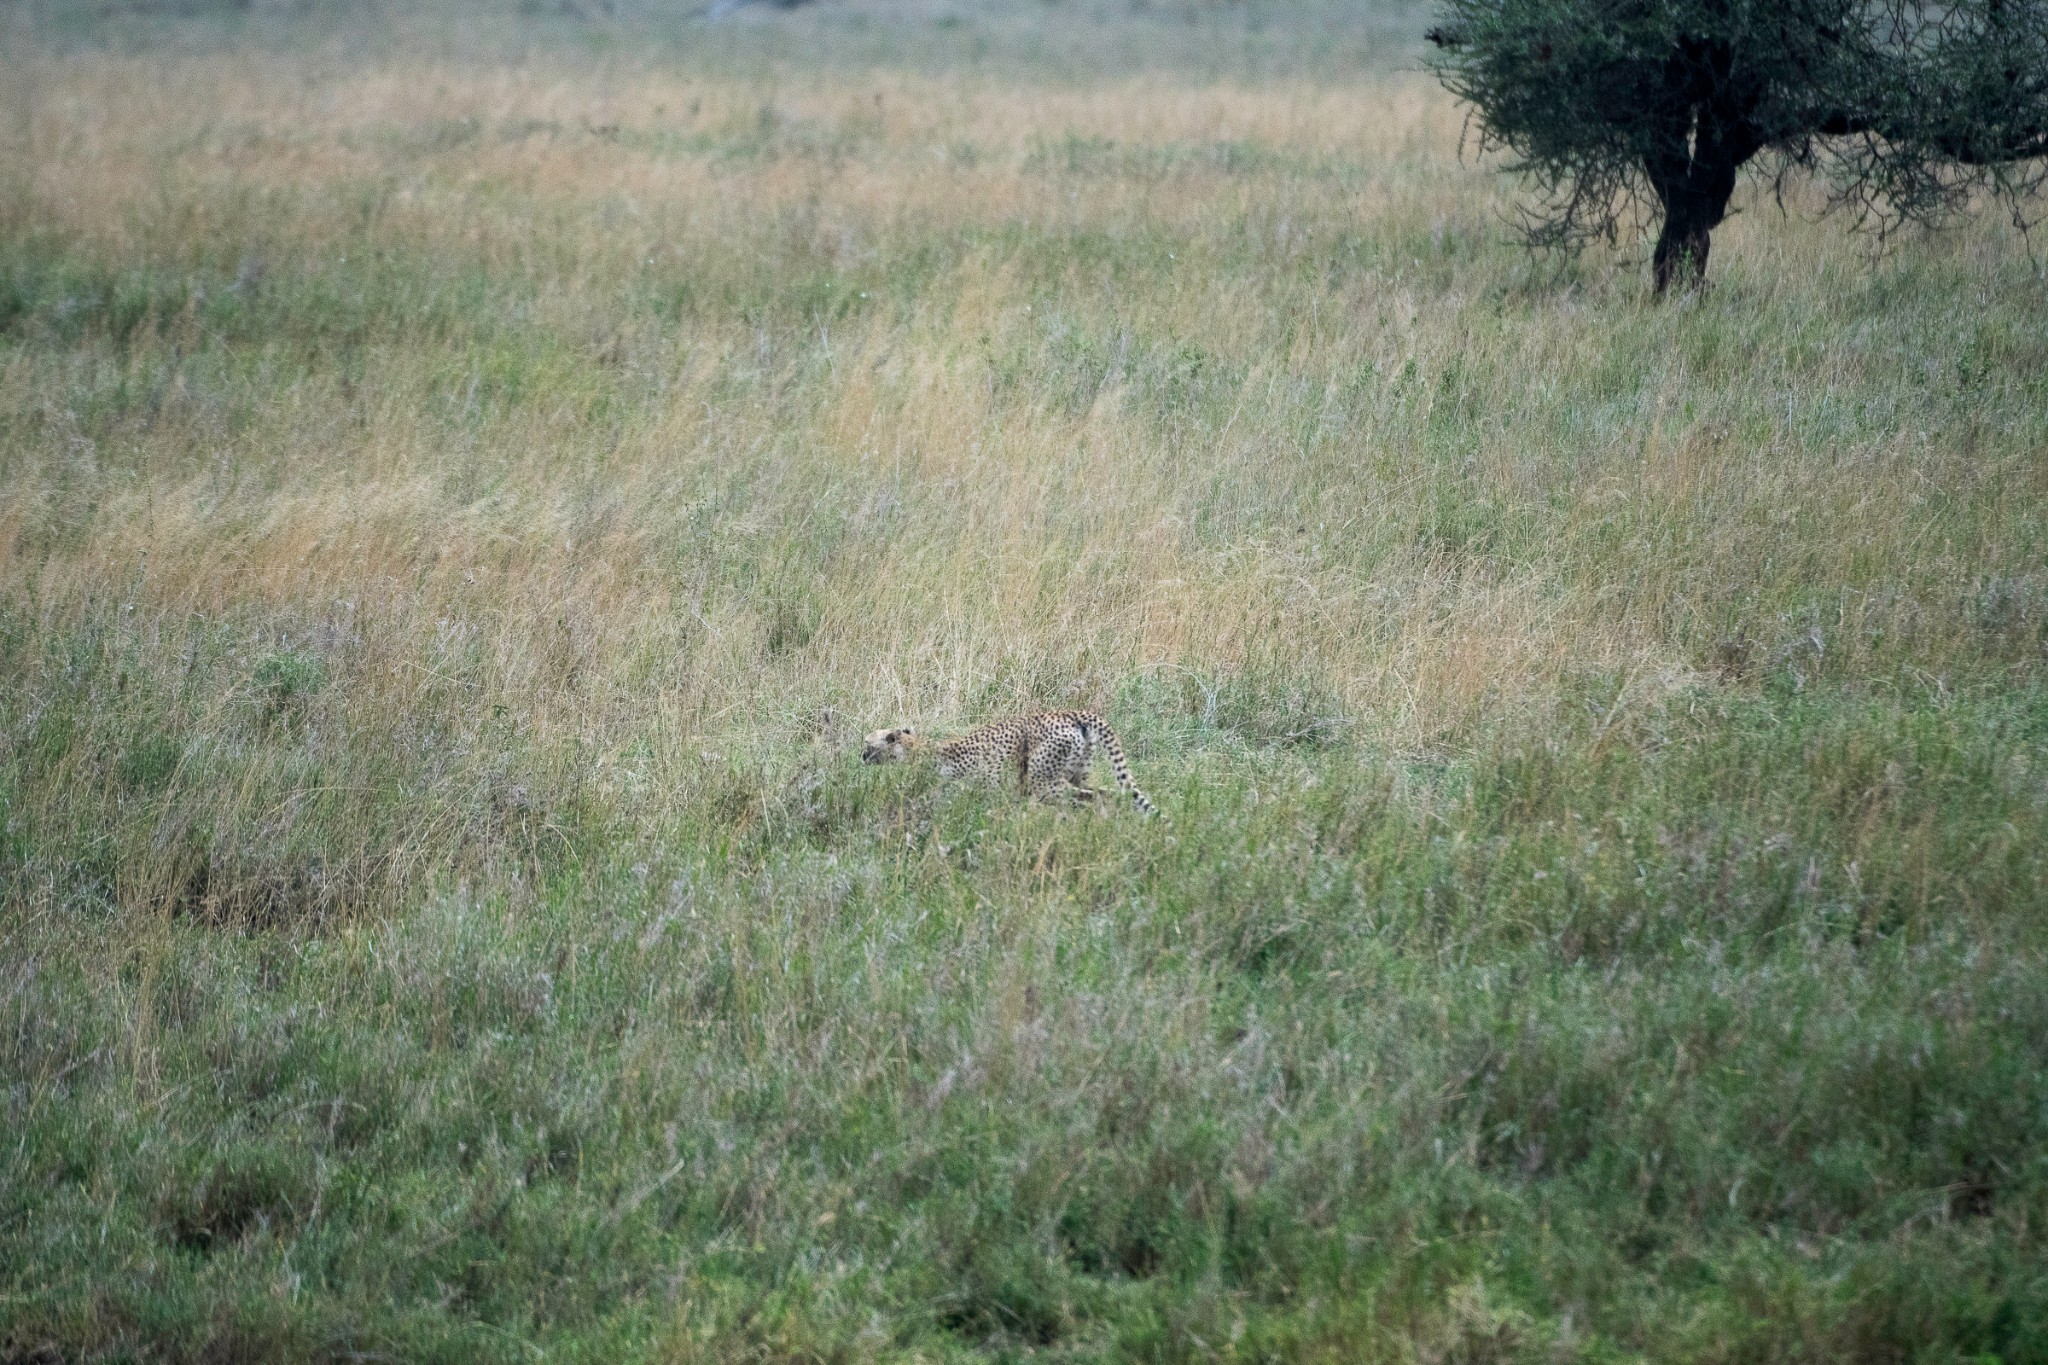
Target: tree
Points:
(1907, 107)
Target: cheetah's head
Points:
(887, 746)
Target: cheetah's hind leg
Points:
(1077, 789)
(1044, 768)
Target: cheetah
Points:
(1048, 752)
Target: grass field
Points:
(466, 483)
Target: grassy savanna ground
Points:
(458, 512)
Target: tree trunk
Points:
(1681, 257)
(1693, 172)
(1695, 200)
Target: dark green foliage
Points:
(1908, 106)
(286, 678)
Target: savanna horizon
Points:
(459, 517)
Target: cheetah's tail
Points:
(1122, 766)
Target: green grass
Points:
(457, 517)
(1603, 1052)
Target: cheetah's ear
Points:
(906, 732)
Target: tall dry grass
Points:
(457, 516)
(1148, 376)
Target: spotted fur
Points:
(1048, 753)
